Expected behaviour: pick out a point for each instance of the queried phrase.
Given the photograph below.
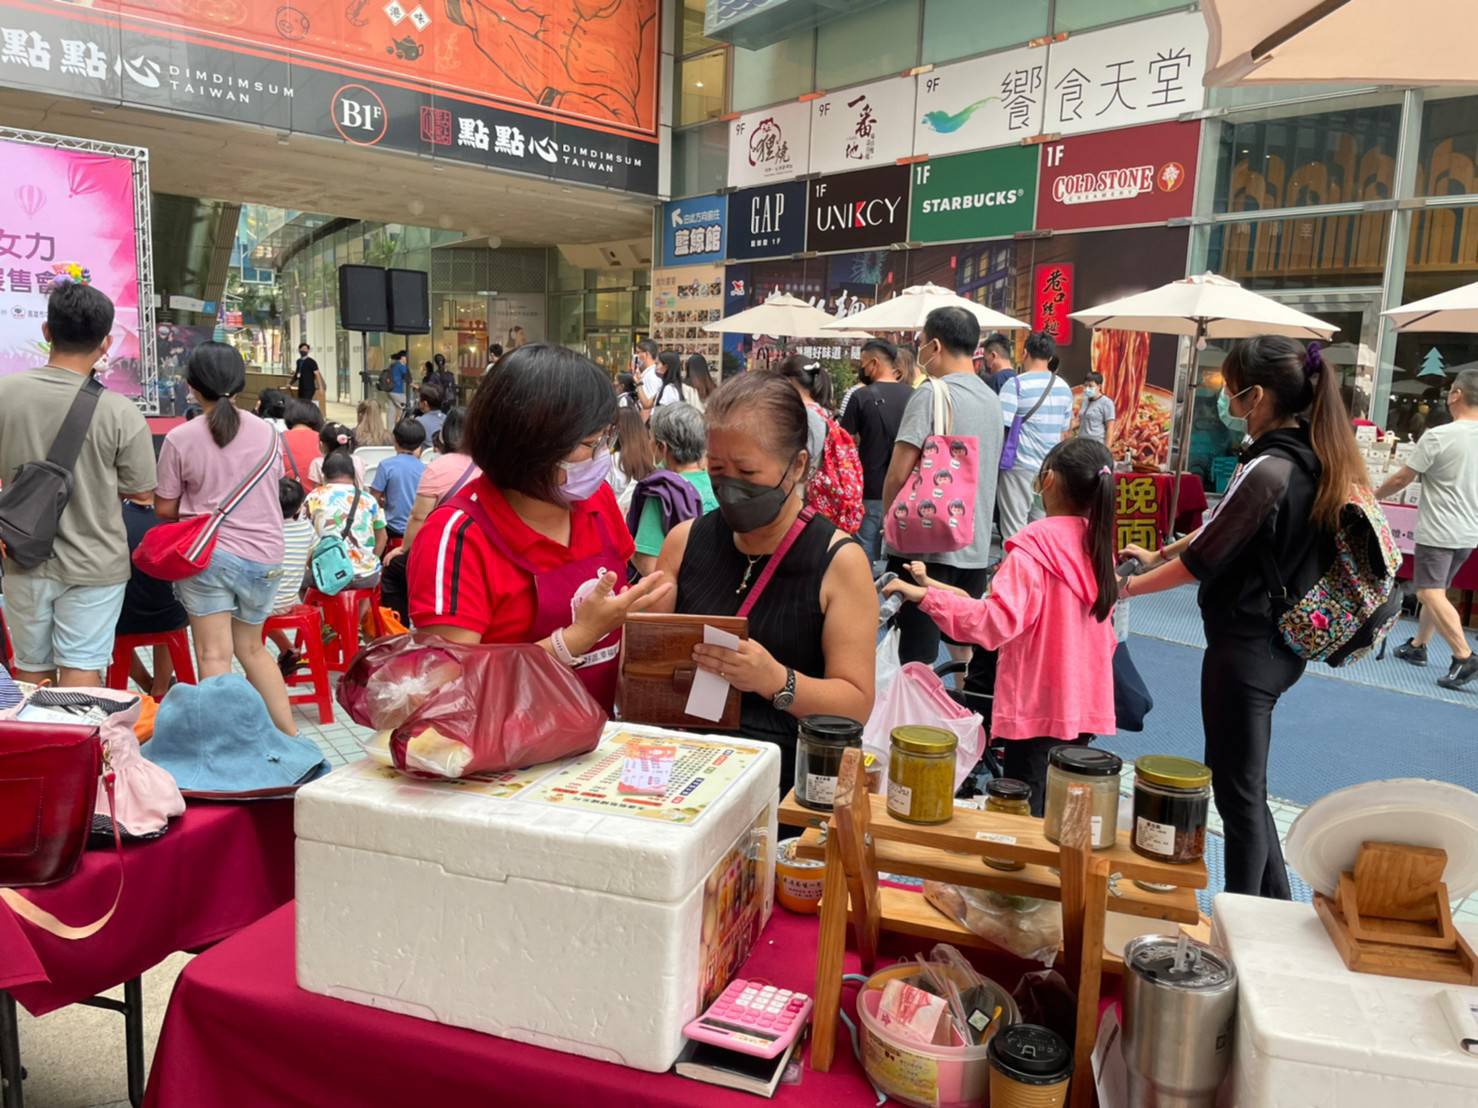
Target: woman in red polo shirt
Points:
(535, 549)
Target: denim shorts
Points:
(55, 624)
(245, 589)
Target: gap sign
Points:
(988, 194)
(768, 222)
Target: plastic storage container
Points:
(918, 1075)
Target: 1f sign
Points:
(1053, 155)
(921, 173)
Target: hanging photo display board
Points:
(991, 101)
(770, 145)
(684, 298)
(862, 126)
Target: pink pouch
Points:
(934, 512)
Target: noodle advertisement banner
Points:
(58, 207)
(563, 89)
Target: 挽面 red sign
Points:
(1115, 178)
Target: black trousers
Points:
(1026, 760)
(918, 635)
(1242, 678)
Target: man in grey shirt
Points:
(950, 338)
(1096, 413)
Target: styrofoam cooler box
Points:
(551, 905)
(1313, 1034)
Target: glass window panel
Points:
(700, 160)
(701, 84)
(1301, 252)
(690, 29)
(1331, 158)
(954, 29)
(1079, 15)
(1447, 160)
(878, 42)
(779, 72)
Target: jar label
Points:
(801, 888)
(1157, 838)
(900, 799)
(1096, 823)
(996, 837)
(821, 790)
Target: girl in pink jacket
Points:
(1047, 612)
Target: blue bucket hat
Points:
(218, 741)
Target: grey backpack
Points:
(32, 501)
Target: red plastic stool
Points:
(341, 613)
(178, 643)
(304, 619)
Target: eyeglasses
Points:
(596, 443)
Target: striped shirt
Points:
(1045, 428)
(298, 538)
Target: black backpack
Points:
(387, 379)
(32, 502)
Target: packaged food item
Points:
(915, 1015)
(1022, 925)
(798, 880)
(820, 743)
(921, 774)
(1171, 799)
(1012, 798)
(1099, 770)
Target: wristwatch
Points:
(786, 696)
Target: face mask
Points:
(746, 506)
(582, 479)
(923, 365)
(1237, 425)
(1091, 392)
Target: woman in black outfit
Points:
(1277, 518)
(812, 630)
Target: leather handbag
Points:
(181, 549)
(657, 669)
(48, 793)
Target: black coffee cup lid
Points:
(1031, 1054)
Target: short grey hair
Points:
(679, 427)
(1466, 383)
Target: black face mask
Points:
(746, 506)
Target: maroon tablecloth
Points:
(237, 1016)
(217, 869)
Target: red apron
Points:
(560, 591)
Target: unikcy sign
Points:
(693, 230)
(1140, 175)
(974, 196)
(768, 222)
(858, 211)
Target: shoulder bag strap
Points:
(288, 450)
(944, 408)
(229, 504)
(353, 505)
(67, 445)
(1052, 382)
(457, 485)
(775, 559)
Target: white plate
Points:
(1326, 837)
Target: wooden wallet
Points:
(657, 670)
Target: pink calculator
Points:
(752, 1019)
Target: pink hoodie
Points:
(1055, 677)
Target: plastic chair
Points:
(177, 642)
(304, 620)
(341, 615)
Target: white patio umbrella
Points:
(782, 316)
(908, 310)
(1453, 310)
(1203, 306)
(1349, 353)
(1368, 42)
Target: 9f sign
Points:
(359, 115)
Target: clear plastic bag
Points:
(917, 695)
(453, 709)
(1022, 925)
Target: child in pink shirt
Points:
(1047, 612)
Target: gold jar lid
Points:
(1172, 772)
(917, 739)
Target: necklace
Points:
(748, 571)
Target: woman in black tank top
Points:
(813, 627)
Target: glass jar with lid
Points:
(1097, 769)
(1171, 799)
(921, 774)
(820, 743)
(1009, 797)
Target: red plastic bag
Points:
(454, 710)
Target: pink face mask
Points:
(583, 479)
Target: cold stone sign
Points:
(974, 196)
(858, 211)
(768, 222)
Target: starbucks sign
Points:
(984, 195)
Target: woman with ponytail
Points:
(201, 466)
(1271, 535)
(1047, 612)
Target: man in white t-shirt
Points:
(1446, 459)
(649, 392)
(1045, 404)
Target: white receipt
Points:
(710, 691)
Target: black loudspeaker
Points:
(410, 302)
(363, 302)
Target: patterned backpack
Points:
(1354, 605)
(835, 488)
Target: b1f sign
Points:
(768, 222)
